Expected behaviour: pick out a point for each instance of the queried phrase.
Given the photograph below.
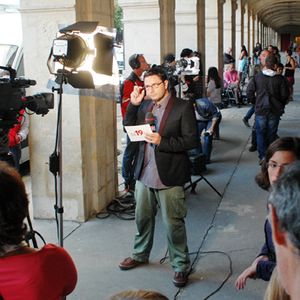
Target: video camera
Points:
(188, 66)
(12, 99)
(183, 66)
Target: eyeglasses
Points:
(153, 86)
(273, 166)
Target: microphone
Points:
(151, 120)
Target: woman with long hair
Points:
(25, 272)
(281, 153)
(289, 71)
(213, 93)
(213, 90)
(243, 64)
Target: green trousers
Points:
(173, 210)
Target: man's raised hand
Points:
(137, 95)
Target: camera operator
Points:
(16, 135)
(13, 119)
(193, 81)
(169, 65)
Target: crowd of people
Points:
(156, 169)
(268, 90)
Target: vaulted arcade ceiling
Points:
(281, 15)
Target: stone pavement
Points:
(217, 227)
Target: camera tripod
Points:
(193, 185)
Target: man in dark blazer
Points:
(162, 168)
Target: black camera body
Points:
(172, 75)
(12, 99)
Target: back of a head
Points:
(139, 295)
(13, 206)
(285, 197)
(186, 52)
(169, 58)
(158, 71)
(271, 61)
(134, 62)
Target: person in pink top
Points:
(231, 80)
(25, 272)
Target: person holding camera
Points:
(162, 169)
(16, 135)
(25, 272)
(192, 73)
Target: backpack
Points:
(263, 106)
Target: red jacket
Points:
(14, 131)
(128, 86)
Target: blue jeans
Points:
(266, 132)
(207, 139)
(128, 163)
(249, 113)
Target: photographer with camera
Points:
(16, 135)
(169, 65)
(191, 72)
(13, 118)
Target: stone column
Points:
(211, 33)
(228, 25)
(220, 37)
(186, 20)
(242, 23)
(234, 7)
(98, 126)
(167, 27)
(201, 37)
(249, 29)
(238, 31)
(89, 169)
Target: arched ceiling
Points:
(281, 15)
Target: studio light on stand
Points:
(81, 56)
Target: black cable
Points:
(228, 275)
(121, 207)
(206, 233)
(223, 282)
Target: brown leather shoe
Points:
(129, 263)
(180, 279)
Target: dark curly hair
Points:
(291, 144)
(13, 206)
(158, 71)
